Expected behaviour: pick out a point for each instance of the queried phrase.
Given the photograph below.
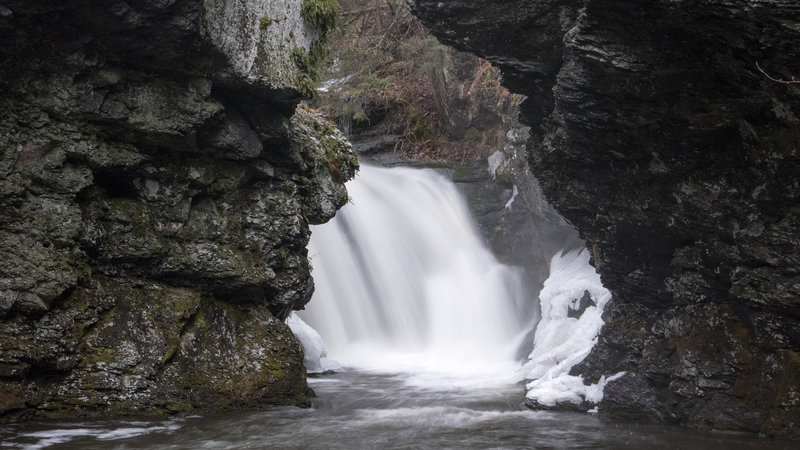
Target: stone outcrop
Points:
(510, 210)
(667, 133)
(156, 186)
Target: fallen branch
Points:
(777, 80)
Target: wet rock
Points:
(156, 188)
(577, 308)
(656, 133)
(237, 138)
(375, 139)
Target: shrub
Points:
(320, 14)
(390, 69)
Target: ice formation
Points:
(316, 355)
(514, 194)
(562, 341)
(495, 160)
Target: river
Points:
(361, 410)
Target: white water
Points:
(405, 285)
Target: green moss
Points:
(320, 14)
(137, 217)
(422, 127)
(170, 353)
(177, 407)
(360, 117)
(230, 311)
(264, 22)
(331, 147)
(305, 85)
(337, 150)
(104, 355)
(308, 67)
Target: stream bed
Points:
(362, 410)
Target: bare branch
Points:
(777, 80)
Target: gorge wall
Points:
(656, 133)
(156, 187)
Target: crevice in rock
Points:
(115, 184)
(655, 134)
(173, 351)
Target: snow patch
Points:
(495, 160)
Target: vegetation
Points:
(265, 22)
(339, 155)
(385, 68)
(308, 66)
(320, 14)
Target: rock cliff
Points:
(668, 133)
(156, 187)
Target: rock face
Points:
(656, 133)
(156, 187)
(516, 221)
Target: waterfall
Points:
(405, 283)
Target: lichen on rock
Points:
(658, 131)
(156, 187)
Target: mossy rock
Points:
(231, 357)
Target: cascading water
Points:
(405, 284)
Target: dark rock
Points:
(156, 187)
(374, 139)
(655, 132)
(583, 406)
(576, 309)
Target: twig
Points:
(361, 11)
(777, 80)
